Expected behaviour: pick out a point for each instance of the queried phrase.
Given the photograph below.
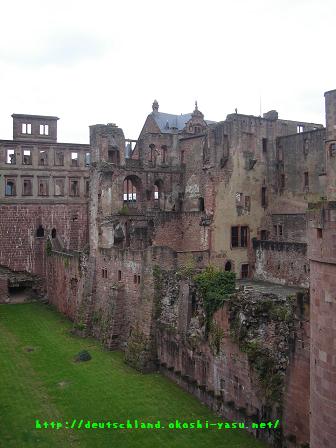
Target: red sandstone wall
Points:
(20, 250)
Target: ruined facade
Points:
(118, 229)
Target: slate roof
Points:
(169, 122)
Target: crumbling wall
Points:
(243, 364)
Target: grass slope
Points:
(46, 384)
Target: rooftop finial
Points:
(196, 107)
(155, 106)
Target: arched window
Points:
(201, 204)
(158, 189)
(40, 232)
(228, 266)
(164, 154)
(53, 233)
(131, 190)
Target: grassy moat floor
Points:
(40, 380)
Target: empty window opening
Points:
(280, 230)
(113, 156)
(299, 128)
(53, 233)
(59, 187)
(10, 189)
(201, 204)
(87, 187)
(193, 304)
(306, 179)
(332, 149)
(74, 159)
(40, 231)
(239, 236)
(131, 188)
(74, 187)
(11, 158)
(156, 193)
(119, 276)
(43, 185)
(44, 129)
(228, 266)
(319, 233)
(164, 154)
(138, 279)
(264, 144)
(245, 271)
(59, 158)
(263, 235)
(263, 196)
(26, 128)
(275, 230)
(27, 187)
(104, 273)
(248, 203)
(43, 157)
(282, 181)
(182, 156)
(87, 159)
(27, 159)
(135, 279)
(152, 154)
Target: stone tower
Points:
(322, 255)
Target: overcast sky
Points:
(106, 61)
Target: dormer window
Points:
(26, 128)
(44, 129)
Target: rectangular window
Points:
(44, 129)
(10, 187)
(319, 233)
(27, 187)
(299, 128)
(27, 158)
(280, 230)
(87, 187)
(306, 179)
(59, 187)
(74, 187)
(10, 157)
(182, 156)
(247, 203)
(43, 187)
(26, 128)
(239, 199)
(43, 157)
(119, 276)
(245, 271)
(282, 181)
(135, 278)
(263, 197)
(104, 273)
(264, 144)
(138, 279)
(59, 158)
(275, 230)
(243, 236)
(74, 159)
(87, 159)
(235, 236)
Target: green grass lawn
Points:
(45, 383)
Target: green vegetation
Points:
(215, 287)
(39, 379)
(124, 211)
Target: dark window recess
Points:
(263, 196)
(74, 188)
(164, 153)
(201, 204)
(306, 179)
(319, 233)
(244, 271)
(193, 304)
(228, 266)
(234, 236)
(104, 273)
(282, 181)
(243, 236)
(139, 279)
(59, 158)
(53, 233)
(280, 230)
(40, 232)
(332, 149)
(113, 156)
(263, 235)
(119, 276)
(247, 203)
(264, 144)
(182, 156)
(135, 279)
(43, 187)
(27, 187)
(27, 158)
(275, 230)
